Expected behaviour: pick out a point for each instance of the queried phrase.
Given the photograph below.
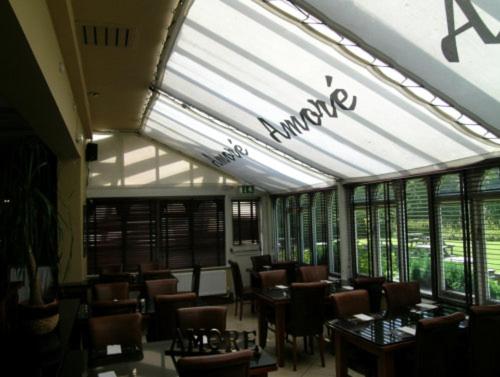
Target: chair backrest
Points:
(374, 287)
(269, 279)
(149, 266)
(111, 307)
(438, 346)
(484, 327)
(161, 287)
(111, 269)
(111, 291)
(290, 267)
(156, 274)
(307, 304)
(195, 279)
(313, 273)
(259, 261)
(237, 280)
(124, 329)
(346, 304)
(401, 296)
(166, 312)
(231, 364)
(202, 317)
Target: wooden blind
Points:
(245, 221)
(176, 232)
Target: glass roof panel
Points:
(223, 148)
(269, 78)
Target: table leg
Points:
(340, 356)
(280, 333)
(385, 365)
(262, 326)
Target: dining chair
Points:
(160, 287)
(111, 291)
(269, 279)
(123, 329)
(306, 315)
(346, 304)
(231, 364)
(202, 317)
(437, 347)
(374, 287)
(195, 279)
(484, 327)
(242, 294)
(259, 261)
(165, 318)
(401, 296)
(148, 266)
(313, 273)
(156, 275)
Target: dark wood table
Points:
(380, 337)
(278, 299)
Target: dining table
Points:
(382, 335)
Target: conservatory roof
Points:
(277, 98)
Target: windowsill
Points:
(245, 248)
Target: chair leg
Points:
(241, 308)
(321, 341)
(294, 341)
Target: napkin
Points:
(408, 330)
(348, 287)
(327, 281)
(113, 349)
(281, 286)
(363, 317)
(107, 374)
(423, 305)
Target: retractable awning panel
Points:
(269, 78)
(226, 149)
(453, 45)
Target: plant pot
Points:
(39, 319)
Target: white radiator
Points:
(212, 282)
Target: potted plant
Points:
(28, 225)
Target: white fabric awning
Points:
(452, 45)
(223, 148)
(293, 90)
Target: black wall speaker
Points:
(91, 152)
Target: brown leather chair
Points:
(346, 304)
(160, 287)
(241, 294)
(313, 273)
(156, 275)
(374, 287)
(484, 328)
(149, 266)
(111, 269)
(272, 278)
(306, 315)
(112, 307)
(401, 296)
(202, 317)
(123, 329)
(259, 261)
(111, 291)
(165, 318)
(232, 364)
(438, 352)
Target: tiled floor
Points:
(307, 365)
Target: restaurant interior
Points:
(250, 188)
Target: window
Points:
(176, 232)
(245, 222)
(305, 228)
(361, 228)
